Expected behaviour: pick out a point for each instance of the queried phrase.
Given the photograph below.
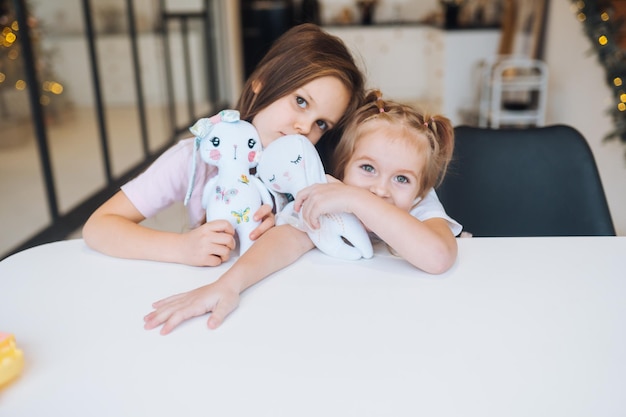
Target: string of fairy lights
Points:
(11, 65)
(602, 27)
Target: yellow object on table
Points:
(11, 359)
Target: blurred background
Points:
(91, 92)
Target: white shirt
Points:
(430, 207)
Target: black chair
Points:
(539, 181)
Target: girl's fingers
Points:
(219, 313)
(220, 226)
(166, 300)
(163, 310)
(173, 321)
(263, 211)
(171, 316)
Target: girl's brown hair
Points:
(301, 55)
(435, 129)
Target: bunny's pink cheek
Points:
(215, 155)
(251, 156)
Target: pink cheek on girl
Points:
(215, 155)
(251, 156)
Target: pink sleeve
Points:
(166, 181)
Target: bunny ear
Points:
(229, 116)
(202, 127)
(313, 168)
(192, 174)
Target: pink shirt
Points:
(166, 181)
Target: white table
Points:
(518, 327)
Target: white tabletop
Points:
(518, 327)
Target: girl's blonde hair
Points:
(436, 129)
(302, 54)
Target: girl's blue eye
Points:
(367, 167)
(322, 125)
(402, 179)
(301, 102)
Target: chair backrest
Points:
(514, 92)
(539, 181)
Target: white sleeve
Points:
(430, 207)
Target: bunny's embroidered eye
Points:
(272, 179)
(297, 160)
(251, 143)
(215, 141)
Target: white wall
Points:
(579, 97)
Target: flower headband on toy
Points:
(201, 129)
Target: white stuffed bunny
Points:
(234, 194)
(292, 163)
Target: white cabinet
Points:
(464, 52)
(429, 67)
(393, 59)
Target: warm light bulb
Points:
(621, 107)
(56, 88)
(20, 84)
(581, 17)
(604, 16)
(617, 81)
(603, 40)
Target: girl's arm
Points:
(428, 245)
(276, 249)
(114, 229)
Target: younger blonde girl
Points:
(388, 162)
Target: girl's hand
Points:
(265, 215)
(208, 245)
(319, 199)
(217, 298)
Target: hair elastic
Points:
(381, 105)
